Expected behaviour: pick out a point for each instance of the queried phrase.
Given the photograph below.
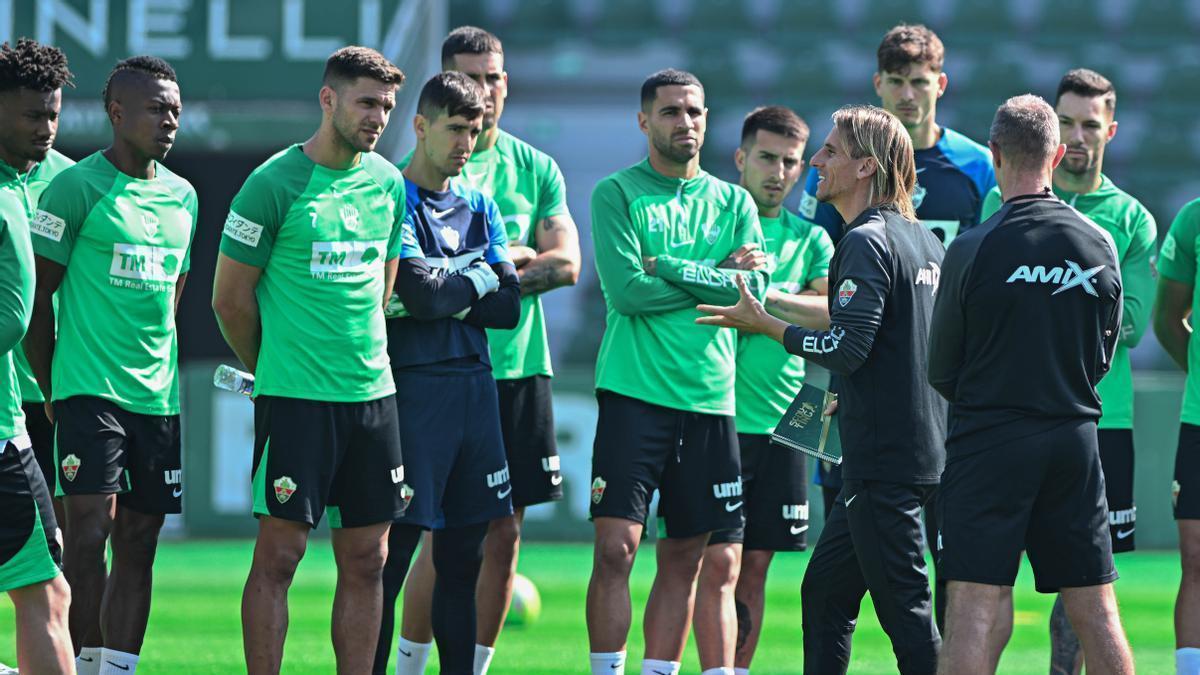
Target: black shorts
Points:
(316, 457)
(100, 449)
(29, 542)
(1116, 459)
(454, 450)
(776, 491)
(41, 434)
(1043, 493)
(1185, 491)
(690, 458)
(527, 425)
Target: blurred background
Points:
(250, 70)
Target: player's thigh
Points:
(298, 446)
(368, 485)
(432, 425)
(777, 497)
(1185, 490)
(29, 548)
(92, 446)
(885, 523)
(634, 442)
(527, 426)
(1068, 541)
(701, 489)
(156, 465)
(1117, 462)
(479, 489)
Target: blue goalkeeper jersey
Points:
(953, 178)
(449, 230)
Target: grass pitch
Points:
(195, 628)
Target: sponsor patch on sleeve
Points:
(48, 225)
(242, 230)
(1168, 248)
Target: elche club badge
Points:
(284, 488)
(70, 467)
(598, 486)
(846, 292)
(450, 236)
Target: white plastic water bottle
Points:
(232, 379)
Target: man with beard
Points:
(113, 236)
(1086, 103)
(667, 236)
(308, 257)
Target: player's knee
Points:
(363, 563)
(137, 536)
(721, 568)
(1189, 559)
(58, 593)
(502, 539)
(277, 563)
(88, 534)
(613, 557)
(754, 571)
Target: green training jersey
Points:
(1135, 234)
(124, 243)
(320, 236)
(768, 377)
(1177, 262)
(652, 349)
(16, 306)
(26, 188)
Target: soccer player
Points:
(1037, 286)
(113, 235)
(308, 258)
(770, 161)
(667, 235)
(1085, 103)
(892, 423)
(1175, 306)
(32, 76)
(544, 245)
(455, 280)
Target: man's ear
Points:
(739, 159)
(328, 98)
(867, 167)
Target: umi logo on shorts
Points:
(551, 464)
(398, 475)
(846, 292)
(1123, 517)
(598, 486)
(284, 488)
(70, 467)
(795, 511)
(727, 490)
(173, 476)
(497, 478)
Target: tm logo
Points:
(1071, 276)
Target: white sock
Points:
(741, 671)
(483, 659)
(720, 671)
(607, 663)
(88, 661)
(113, 662)
(411, 656)
(656, 667)
(1187, 661)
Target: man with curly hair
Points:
(32, 76)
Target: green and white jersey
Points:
(124, 242)
(26, 188)
(1135, 234)
(16, 304)
(1177, 262)
(768, 377)
(320, 236)
(652, 349)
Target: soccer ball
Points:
(526, 603)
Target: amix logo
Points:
(1071, 276)
(929, 276)
(727, 490)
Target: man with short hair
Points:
(1036, 287)
(954, 174)
(32, 76)
(455, 280)
(113, 241)
(544, 245)
(730, 603)
(892, 423)
(308, 258)
(1086, 104)
(667, 235)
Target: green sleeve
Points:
(1137, 278)
(552, 197)
(254, 219)
(396, 238)
(191, 203)
(714, 285)
(61, 211)
(618, 256)
(821, 253)
(991, 204)
(16, 286)
(1177, 259)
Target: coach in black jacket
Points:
(1025, 325)
(892, 423)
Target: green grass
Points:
(194, 625)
